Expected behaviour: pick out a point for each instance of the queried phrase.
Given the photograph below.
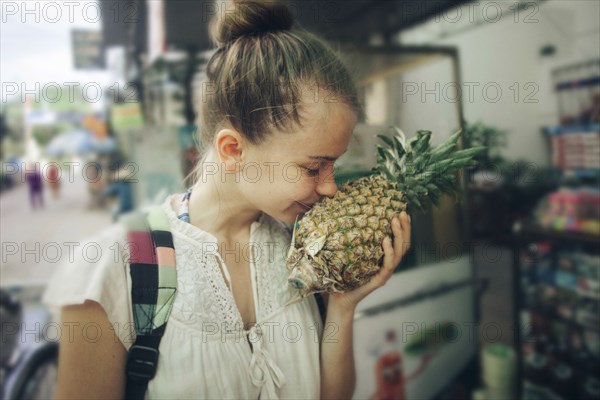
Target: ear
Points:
(229, 145)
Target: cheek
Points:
(287, 194)
(293, 183)
(303, 189)
(280, 185)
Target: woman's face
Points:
(289, 172)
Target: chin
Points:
(289, 220)
(289, 216)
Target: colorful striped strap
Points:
(153, 289)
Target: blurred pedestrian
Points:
(54, 180)
(95, 177)
(121, 188)
(36, 186)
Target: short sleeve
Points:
(96, 269)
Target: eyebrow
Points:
(327, 158)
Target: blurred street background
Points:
(499, 296)
(76, 220)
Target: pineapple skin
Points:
(338, 244)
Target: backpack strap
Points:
(153, 289)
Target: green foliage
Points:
(43, 134)
(493, 139)
(420, 171)
(12, 113)
(64, 99)
(4, 130)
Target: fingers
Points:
(406, 228)
(389, 265)
(388, 253)
(393, 252)
(401, 230)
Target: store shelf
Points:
(562, 314)
(556, 317)
(582, 173)
(530, 231)
(562, 129)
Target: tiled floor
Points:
(494, 264)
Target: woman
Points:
(278, 111)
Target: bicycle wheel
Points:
(35, 377)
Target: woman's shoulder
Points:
(95, 269)
(97, 254)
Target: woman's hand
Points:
(340, 382)
(393, 254)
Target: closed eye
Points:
(312, 172)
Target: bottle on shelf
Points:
(563, 380)
(591, 389)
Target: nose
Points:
(326, 186)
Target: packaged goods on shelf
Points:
(578, 90)
(558, 311)
(576, 147)
(571, 209)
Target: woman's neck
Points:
(217, 206)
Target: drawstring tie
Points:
(263, 371)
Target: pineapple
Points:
(336, 246)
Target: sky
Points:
(35, 42)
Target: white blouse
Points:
(205, 351)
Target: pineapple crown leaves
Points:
(420, 171)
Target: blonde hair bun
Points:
(237, 18)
